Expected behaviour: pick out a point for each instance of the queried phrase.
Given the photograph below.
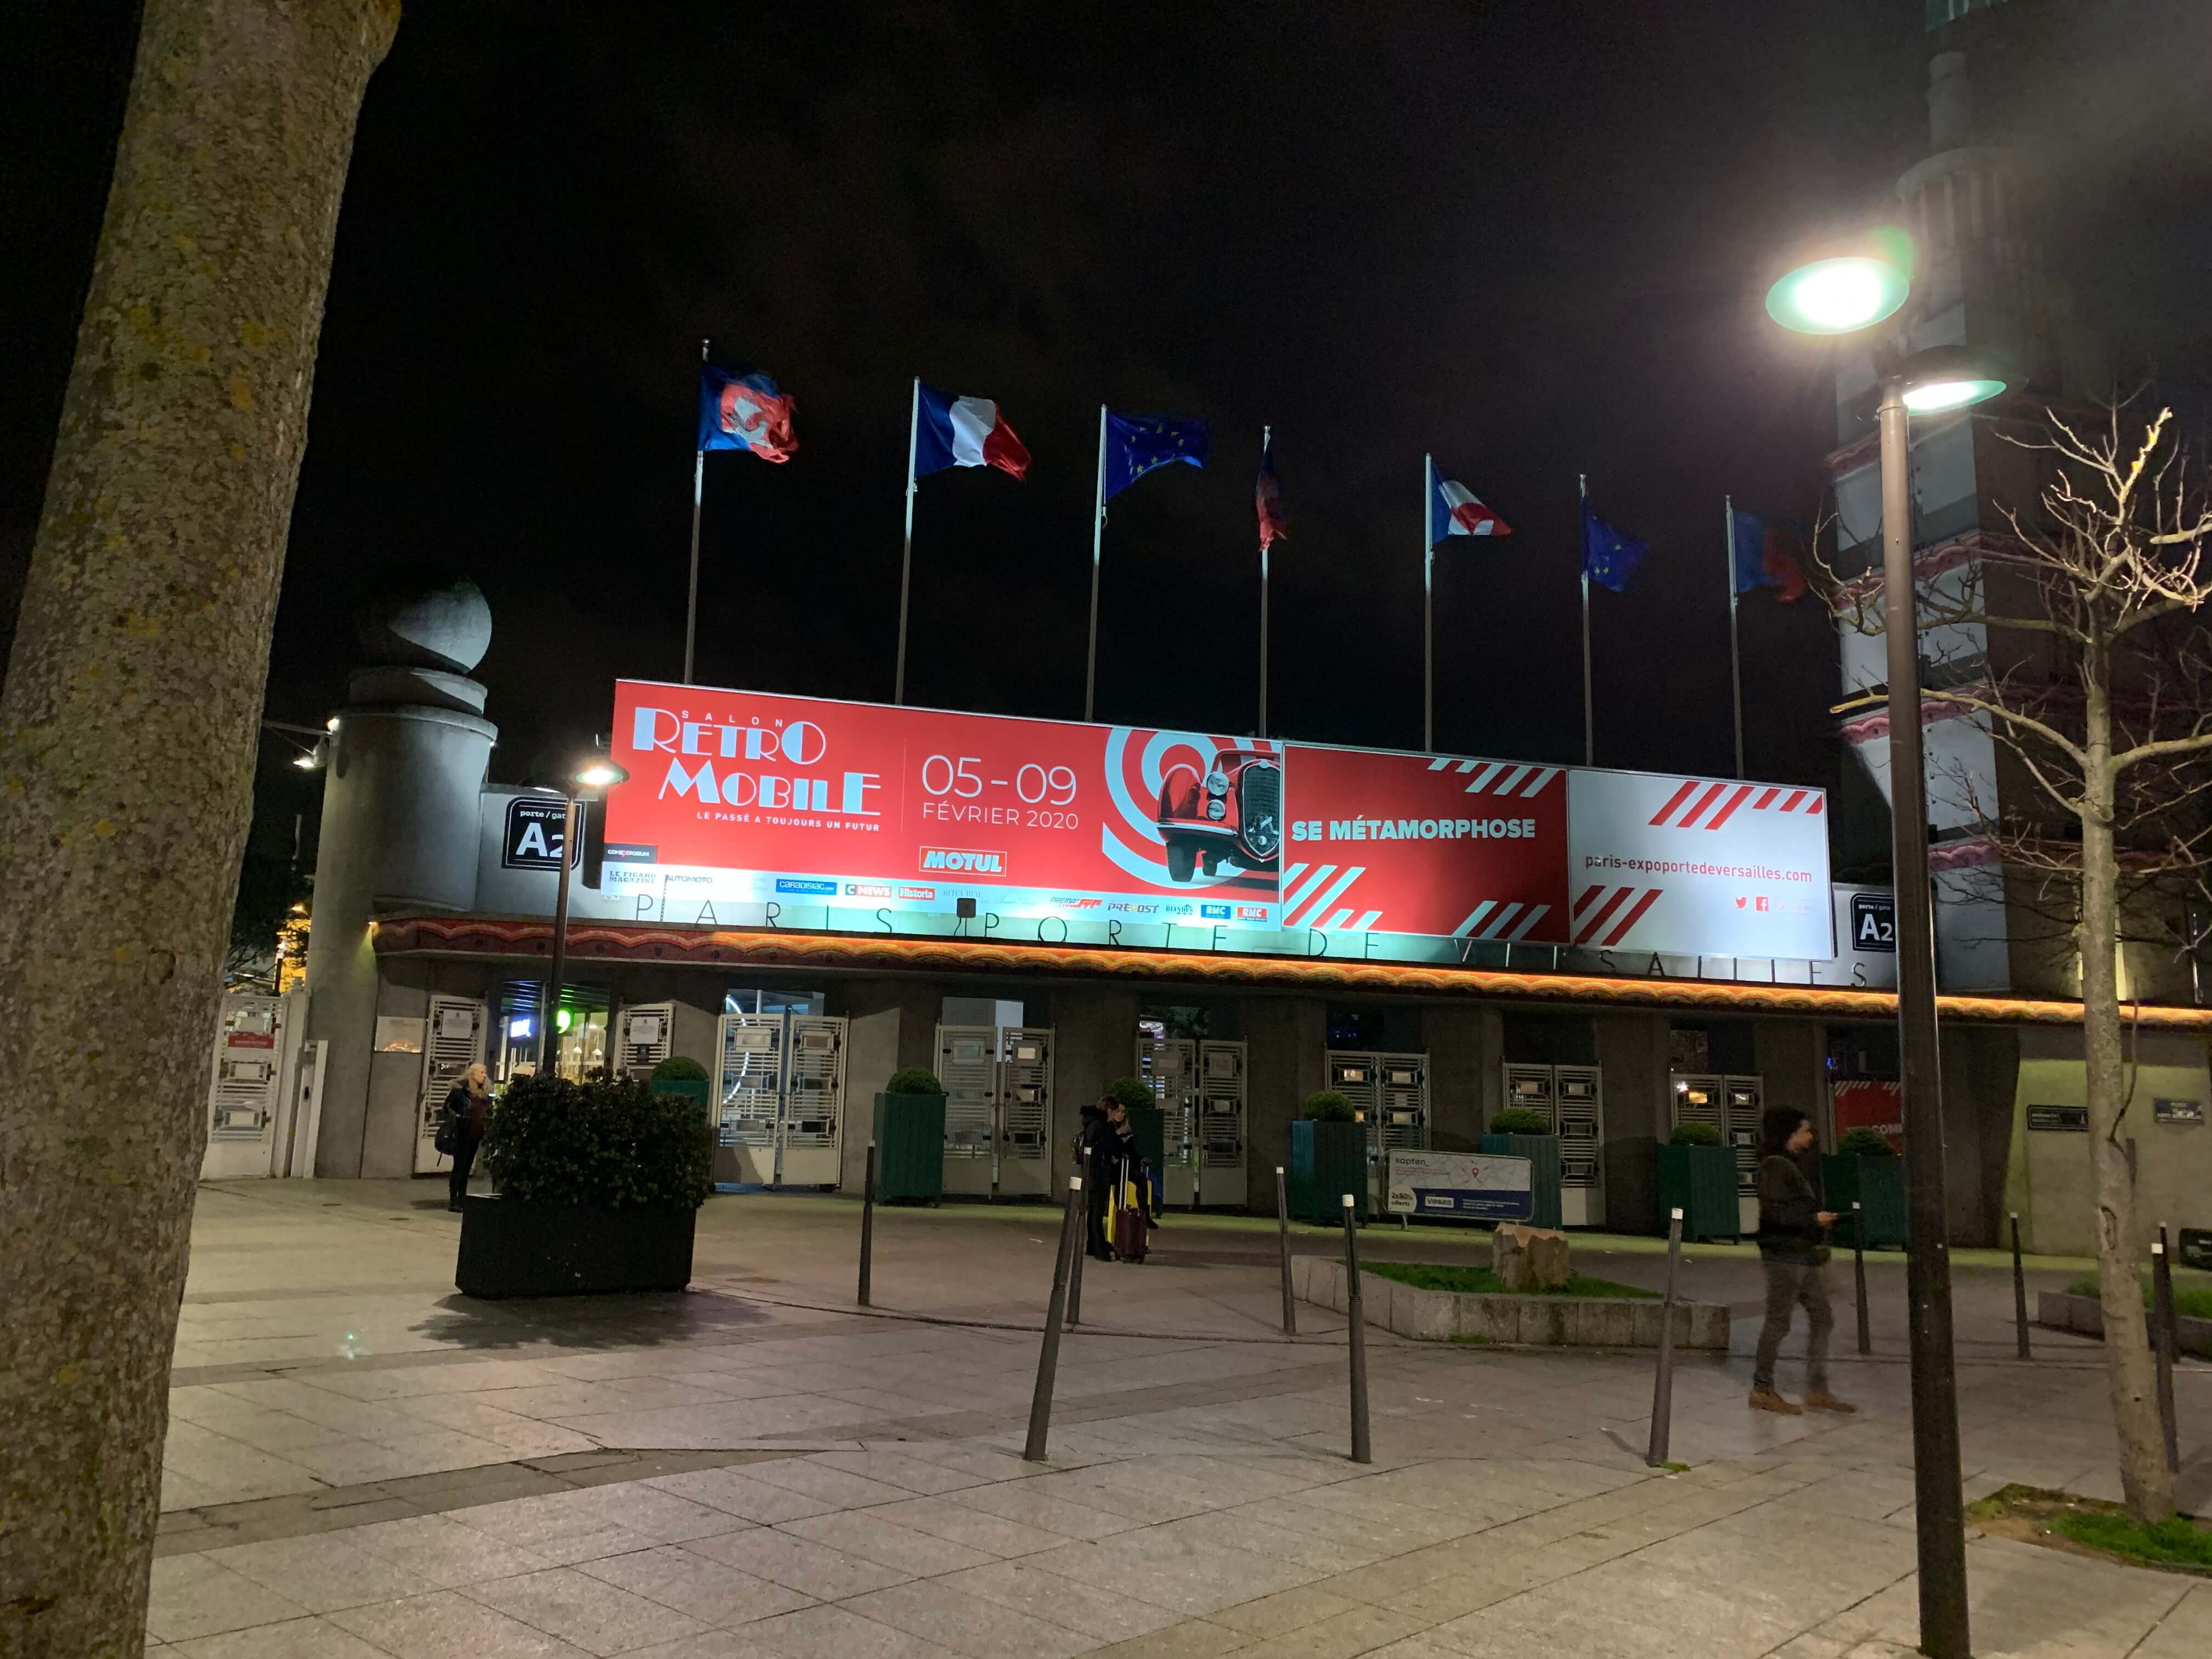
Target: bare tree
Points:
(2102, 703)
(127, 739)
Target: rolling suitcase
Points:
(1126, 1226)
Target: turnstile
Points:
(779, 1094)
(998, 1108)
(1733, 1106)
(1167, 1067)
(453, 1041)
(1391, 1094)
(1572, 1098)
(644, 1034)
(1218, 1142)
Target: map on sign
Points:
(1471, 1186)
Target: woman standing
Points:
(467, 1108)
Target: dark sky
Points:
(1531, 236)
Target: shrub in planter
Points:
(1865, 1170)
(910, 1136)
(599, 1186)
(1520, 1121)
(1329, 1158)
(679, 1069)
(1694, 1134)
(1865, 1143)
(1132, 1092)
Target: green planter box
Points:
(910, 1146)
(1542, 1152)
(1328, 1160)
(1700, 1182)
(1878, 1185)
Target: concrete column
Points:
(1465, 1040)
(894, 1025)
(1631, 1053)
(1790, 1068)
(406, 763)
(1094, 1041)
(1287, 1040)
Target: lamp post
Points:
(596, 773)
(1843, 295)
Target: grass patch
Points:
(2190, 1302)
(2091, 1526)
(1481, 1281)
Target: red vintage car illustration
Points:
(1230, 816)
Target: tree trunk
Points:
(127, 741)
(2145, 1481)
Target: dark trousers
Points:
(1788, 1285)
(465, 1156)
(1096, 1173)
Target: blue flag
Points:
(1135, 444)
(1763, 559)
(745, 411)
(1609, 557)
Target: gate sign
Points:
(1874, 922)
(536, 826)
(1699, 865)
(1471, 1186)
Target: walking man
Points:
(1793, 1247)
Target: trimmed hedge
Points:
(1327, 1106)
(679, 1069)
(598, 1145)
(1694, 1134)
(1865, 1143)
(1520, 1121)
(1131, 1092)
(914, 1081)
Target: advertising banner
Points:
(1471, 1186)
(1866, 1103)
(1424, 844)
(750, 796)
(1699, 867)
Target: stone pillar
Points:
(1631, 1052)
(1287, 1060)
(405, 767)
(894, 1025)
(1094, 1041)
(1466, 1043)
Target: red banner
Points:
(1869, 1104)
(1424, 844)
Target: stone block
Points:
(1376, 1294)
(1543, 1320)
(1709, 1325)
(1431, 1315)
(1486, 1318)
(1529, 1258)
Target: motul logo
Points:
(949, 858)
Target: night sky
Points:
(1531, 237)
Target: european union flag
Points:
(1609, 556)
(1135, 444)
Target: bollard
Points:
(1858, 1275)
(2018, 1290)
(1071, 1242)
(1283, 1234)
(1362, 1451)
(1080, 1255)
(1662, 1383)
(2161, 1293)
(867, 1226)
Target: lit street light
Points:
(596, 773)
(1838, 296)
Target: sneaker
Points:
(1822, 1401)
(1766, 1400)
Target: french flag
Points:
(1454, 510)
(950, 431)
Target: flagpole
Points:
(1266, 435)
(1589, 708)
(1736, 659)
(1428, 613)
(906, 553)
(691, 593)
(1097, 525)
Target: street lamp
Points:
(595, 772)
(1838, 296)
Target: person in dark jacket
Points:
(1097, 1149)
(467, 1108)
(1793, 1244)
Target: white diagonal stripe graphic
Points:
(1366, 923)
(1336, 890)
(1543, 777)
(1514, 782)
(1481, 779)
(1294, 897)
(1336, 921)
(1466, 767)
(1438, 765)
(1474, 916)
(1529, 922)
(1498, 923)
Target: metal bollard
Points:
(2161, 1293)
(1362, 1451)
(867, 1226)
(1071, 1240)
(1662, 1384)
(2018, 1290)
(1283, 1234)
(1080, 1255)
(1858, 1275)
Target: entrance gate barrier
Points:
(998, 1109)
(1572, 1098)
(780, 1095)
(1732, 1106)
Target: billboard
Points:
(1699, 866)
(739, 798)
(750, 796)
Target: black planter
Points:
(509, 1248)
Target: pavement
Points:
(362, 1462)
